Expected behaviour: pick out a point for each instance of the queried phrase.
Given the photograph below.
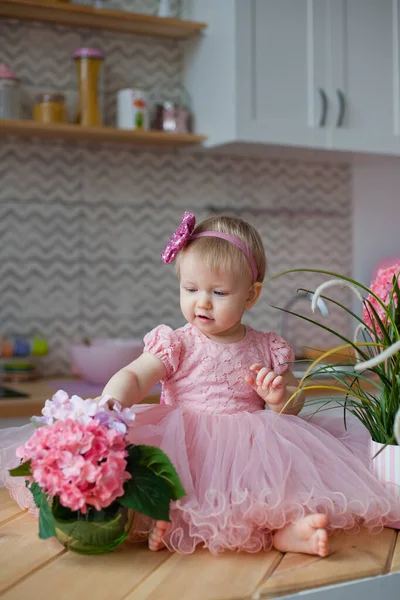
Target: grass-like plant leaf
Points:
(377, 404)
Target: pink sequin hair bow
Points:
(179, 239)
(184, 233)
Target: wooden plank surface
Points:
(202, 576)
(352, 557)
(33, 568)
(395, 566)
(36, 569)
(22, 551)
(8, 507)
(77, 577)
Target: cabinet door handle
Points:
(342, 108)
(324, 107)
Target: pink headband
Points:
(183, 235)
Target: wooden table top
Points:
(39, 391)
(32, 569)
(42, 389)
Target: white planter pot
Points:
(386, 466)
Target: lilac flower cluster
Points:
(62, 407)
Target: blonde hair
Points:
(218, 253)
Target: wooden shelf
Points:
(70, 132)
(75, 15)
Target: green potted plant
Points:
(372, 356)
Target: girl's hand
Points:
(110, 402)
(270, 386)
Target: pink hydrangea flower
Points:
(382, 287)
(82, 463)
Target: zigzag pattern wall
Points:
(82, 228)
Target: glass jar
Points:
(50, 108)
(172, 118)
(96, 531)
(9, 94)
(88, 63)
(171, 110)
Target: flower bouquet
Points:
(372, 357)
(87, 479)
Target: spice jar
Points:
(9, 94)
(172, 111)
(88, 63)
(50, 108)
(173, 118)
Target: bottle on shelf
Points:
(89, 67)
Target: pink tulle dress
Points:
(246, 470)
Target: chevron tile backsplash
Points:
(82, 227)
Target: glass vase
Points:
(93, 532)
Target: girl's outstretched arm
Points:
(132, 383)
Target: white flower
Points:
(58, 408)
(83, 410)
(379, 358)
(116, 417)
(396, 427)
(333, 283)
(62, 407)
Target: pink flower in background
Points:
(382, 286)
(82, 463)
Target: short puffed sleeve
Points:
(164, 343)
(281, 353)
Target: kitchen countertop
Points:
(35, 569)
(42, 389)
(39, 391)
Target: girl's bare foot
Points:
(156, 536)
(308, 535)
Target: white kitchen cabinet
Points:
(304, 73)
(258, 74)
(281, 58)
(365, 75)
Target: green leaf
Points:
(93, 532)
(46, 521)
(133, 457)
(395, 301)
(23, 470)
(37, 493)
(147, 494)
(157, 461)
